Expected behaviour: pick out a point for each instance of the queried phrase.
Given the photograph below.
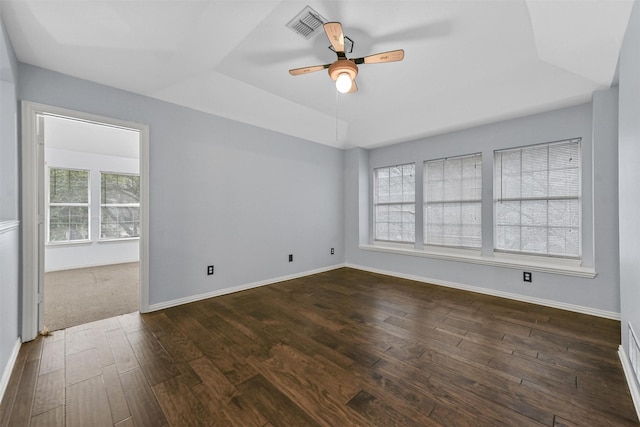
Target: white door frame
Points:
(33, 221)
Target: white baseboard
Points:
(8, 369)
(230, 290)
(496, 293)
(634, 388)
(517, 297)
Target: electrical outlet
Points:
(332, 251)
(290, 257)
(209, 270)
(527, 276)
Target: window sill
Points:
(71, 243)
(518, 262)
(120, 240)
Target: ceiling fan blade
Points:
(307, 70)
(334, 33)
(354, 87)
(391, 56)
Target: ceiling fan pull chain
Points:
(337, 118)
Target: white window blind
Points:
(119, 206)
(537, 199)
(68, 214)
(453, 202)
(394, 204)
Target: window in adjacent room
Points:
(394, 204)
(453, 202)
(537, 199)
(119, 206)
(68, 213)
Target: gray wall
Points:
(629, 177)
(221, 192)
(599, 140)
(9, 202)
(9, 143)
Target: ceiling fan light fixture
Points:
(343, 72)
(344, 83)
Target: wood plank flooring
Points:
(341, 348)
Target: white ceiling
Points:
(466, 62)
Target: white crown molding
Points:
(6, 226)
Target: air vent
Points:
(307, 23)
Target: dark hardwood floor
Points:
(342, 348)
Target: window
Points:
(453, 202)
(68, 205)
(119, 206)
(394, 204)
(537, 199)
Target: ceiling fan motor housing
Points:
(343, 66)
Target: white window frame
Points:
(445, 202)
(401, 203)
(50, 204)
(116, 205)
(499, 189)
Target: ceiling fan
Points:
(344, 70)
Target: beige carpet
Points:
(74, 297)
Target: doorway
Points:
(91, 220)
